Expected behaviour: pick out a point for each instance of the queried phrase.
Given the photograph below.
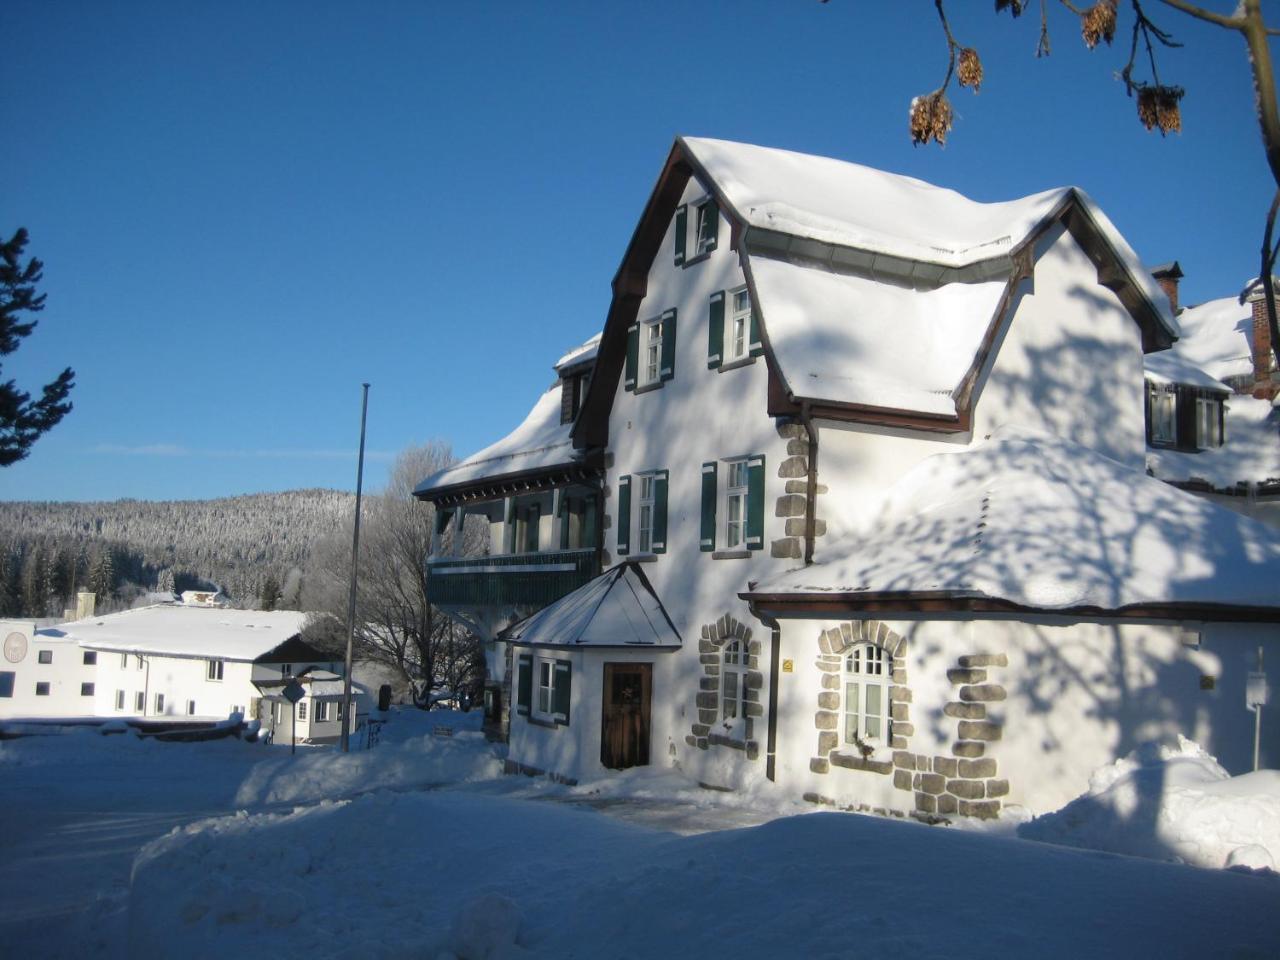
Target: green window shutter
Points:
(624, 515)
(524, 683)
(715, 331)
(660, 511)
(707, 541)
(713, 211)
(668, 368)
(589, 511)
(755, 503)
(756, 346)
(560, 691)
(633, 356)
(682, 229)
(564, 520)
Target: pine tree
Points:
(270, 595)
(23, 420)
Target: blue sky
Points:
(246, 210)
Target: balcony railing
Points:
(519, 579)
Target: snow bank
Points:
(455, 875)
(1172, 803)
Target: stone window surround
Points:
(711, 645)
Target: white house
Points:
(159, 661)
(866, 460)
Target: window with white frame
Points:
(1163, 408)
(866, 697)
(120, 700)
(159, 703)
(707, 218)
(286, 669)
(737, 339)
(44, 656)
(735, 504)
(86, 689)
(644, 512)
(90, 658)
(733, 680)
(732, 506)
(651, 332)
(1208, 423)
(139, 702)
(543, 688)
(323, 710)
(302, 709)
(213, 670)
(124, 661)
(42, 688)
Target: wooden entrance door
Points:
(624, 736)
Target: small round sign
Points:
(15, 647)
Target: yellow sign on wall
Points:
(788, 666)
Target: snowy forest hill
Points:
(246, 546)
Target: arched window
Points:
(866, 696)
(733, 679)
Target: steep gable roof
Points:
(801, 222)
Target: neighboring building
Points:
(1213, 428)
(317, 715)
(165, 660)
(873, 515)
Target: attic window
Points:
(706, 229)
(708, 226)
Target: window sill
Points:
(730, 554)
(690, 261)
(649, 387)
(641, 557)
(850, 761)
(544, 722)
(746, 361)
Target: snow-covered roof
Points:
(540, 441)
(185, 631)
(580, 354)
(1251, 453)
(1035, 521)
(619, 608)
(1169, 366)
(850, 205)
(855, 340)
(1217, 336)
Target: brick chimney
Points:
(1168, 275)
(1264, 387)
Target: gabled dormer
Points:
(1185, 408)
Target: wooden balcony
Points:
(524, 580)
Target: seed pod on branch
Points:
(1099, 23)
(930, 118)
(1158, 107)
(1015, 6)
(969, 72)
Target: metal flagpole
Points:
(351, 600)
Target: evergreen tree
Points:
(23, 420)
(270, 595)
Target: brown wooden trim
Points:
(587, 473)
(838, 604)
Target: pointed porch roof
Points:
(619, 608)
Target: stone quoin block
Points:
(829, 701)
(979, 730)
(793, 468)
(825, 720)
(828, 667)
(978, 768)
(964, 675)
(788, 549)
(789, 505)
(904, 729)
(932, 783)
(948, 804)
(753, 750)
(898, 712)
(708, 684)
(755, 680)
(900, 695)
(925, 803)
(818, 765)
(902, 779)
(904, 760)
(691, 741)
(967, 789)
(797, 447)
(983, 693)
(966, 711)
(830, 681)
(707, 701)
(700, 730)
(753, 710)
(968, 748)
(984, 660)
(827, 742)
(790, 430)
(997, 788)
(707, 716)
(706, 646)
(981, 810)
(709, 658)
(796, 528)
(946, 766)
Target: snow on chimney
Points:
(1168, 275)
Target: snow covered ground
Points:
(117, 847)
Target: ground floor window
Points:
(733, 680)
(543, 686)
(323, 710)
(119, 699)
(191, 708)
(302, 709)
(139, 702)
(866, 697)
(6, 683)
(86, 689)
(42, 689)
(159, 703)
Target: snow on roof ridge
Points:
(584, 351)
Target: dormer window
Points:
(1163, 408)
(705, 230)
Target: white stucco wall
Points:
(179, 679)
(64, 675)
(1077, 695)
